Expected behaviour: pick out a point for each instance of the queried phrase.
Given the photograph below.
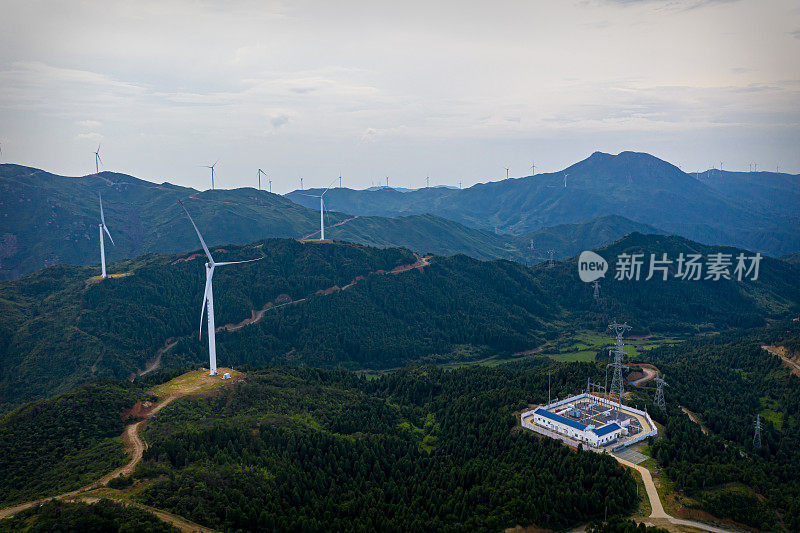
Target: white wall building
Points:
(575, 430)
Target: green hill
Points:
(61, 326)
(638, 186)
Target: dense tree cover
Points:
(415, 450)
(105, 515)
(64, 328)
(63, 443)
(619, 525)
(727, 380)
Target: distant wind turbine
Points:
(301, 183)
(103, 228)
(97, 160)
(270, 184)
(259, 178)
(321, 210)
(428, 182)
(533, 168)
(212, 172)
(208, 298)
(506, 173)
(565, 180)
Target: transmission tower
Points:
(596, 285)
(617, 383)
(757, 435)
(550, 263)
(659, 401)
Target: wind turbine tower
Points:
(301, 183)
(97, 160)
(506, 172)
(533, 168)
(321, 210)
(208, 298)
(270, 184)
(212, 172)
(427, 182)
(259, 178)
(103, 228)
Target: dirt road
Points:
(132, 442)
(783, 353)
(659, 516)
(650, 373)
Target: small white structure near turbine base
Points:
(226, 375)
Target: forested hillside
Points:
(727, 381)
(638, 186)
(417, 450)
(62, 443)
(62, 326)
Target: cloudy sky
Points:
(458, 90)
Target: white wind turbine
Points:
(97, 160)
(212, 172)
(259, 179)
(102, 229)
(208, 298)
(321, 210)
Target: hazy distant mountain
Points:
(638, 186)
(567, 240)
(47, 219)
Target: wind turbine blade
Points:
(331, 185)
(102, 218)
(237, 262)
(309, 195)
(99, 158)
(209, 275)
(205, 248)
(107, 233)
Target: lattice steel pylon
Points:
(757, 435)
(617, 383)
(659, 401)
(596, 285)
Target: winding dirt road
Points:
(132, 443)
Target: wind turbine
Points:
(533, 168)
(102, 229)
(97, 160)
(506, 173)
(259, 179)
(321, 210)
(270, 184)
(565, 180)
(212, 172)
(208, 298)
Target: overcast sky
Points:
(458, 90)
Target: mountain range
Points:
(47, 219)
(757, 211)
